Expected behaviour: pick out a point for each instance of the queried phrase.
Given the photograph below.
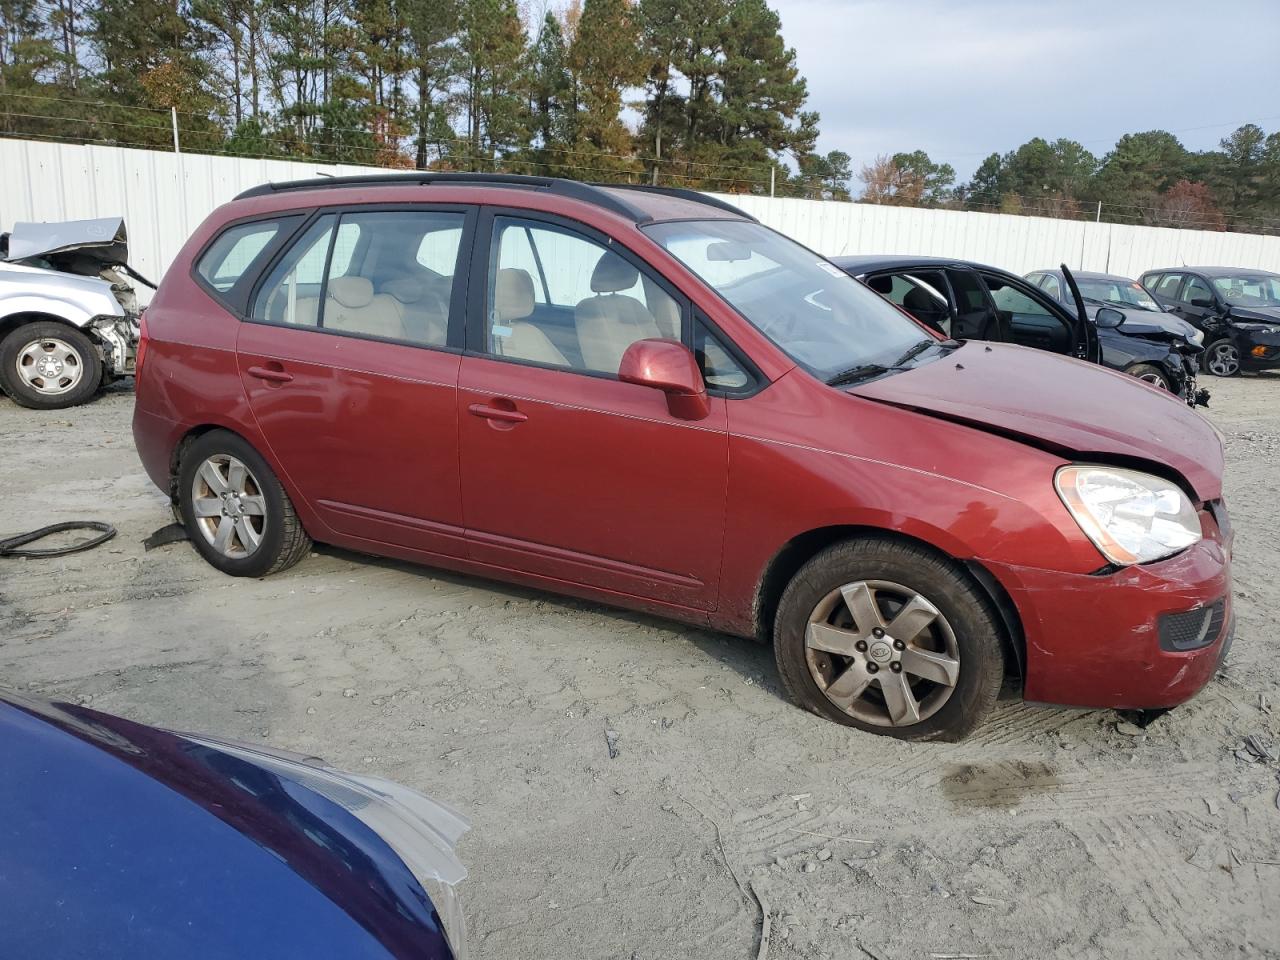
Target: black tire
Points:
(1229, 363)
(283, 540)
(1152, 374)
(82, 355)
(967, 613)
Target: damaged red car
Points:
(646, 398)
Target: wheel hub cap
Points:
(228, 505)
(882, 653)
(49, 366)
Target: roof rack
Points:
(681, 193)
(598, 194)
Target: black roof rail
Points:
(681, 193)
(598, 194)
(590, 193)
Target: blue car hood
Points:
(118, 840)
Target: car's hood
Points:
(103, 241)
(1068, 406)
(1147, 323)
(1263, 314)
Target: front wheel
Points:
(886, 637)
(1222, 358)
(234, 509)
(1150, 373)
(48, 366)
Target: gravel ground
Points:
(1049, 833)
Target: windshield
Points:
(1260, 291)
(1124, 293)
(820, 316)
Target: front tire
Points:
(1222, 358)
(48, 366)
(889, 638)
(235, 510)
(1150, 373)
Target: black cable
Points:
(9, 546)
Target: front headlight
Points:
(1131, 517)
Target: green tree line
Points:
(1147, 178)
(700, 93)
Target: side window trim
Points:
(463, 272)
(478, 289)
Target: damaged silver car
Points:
(68, 314)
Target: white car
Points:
(68, 316)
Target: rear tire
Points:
(940, 675)
(235, 510)
(49, 366)
(1150, 373)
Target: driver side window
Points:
(1029, 322)
(1196, 289)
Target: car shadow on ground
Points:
(749, 657)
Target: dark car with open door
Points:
(1237, 308)
(970, 301)
(1144, 318)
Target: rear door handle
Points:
(496, 413)
(266, 373)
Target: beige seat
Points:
(521, 340)
(609, 322)
(352, 306)
(425, 313)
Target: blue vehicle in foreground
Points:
(120, 840)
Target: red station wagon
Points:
(646, 398)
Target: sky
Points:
(966, 78)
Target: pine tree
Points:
(605, 59)
(491, 56)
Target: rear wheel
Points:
(48, 366)
(889, 638)
(234, 509)
(1150, 373)
(1222, 358)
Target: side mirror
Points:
(669, 366)
(1108, 318)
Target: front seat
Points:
(609, 322)
(520, 340)
(924, 308)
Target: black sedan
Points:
(1237, 308)
(969, 301)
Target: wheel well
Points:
(180, 448)
(16, 320)
(800, 550)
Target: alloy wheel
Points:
(1224, 360)
(228, 506)
(1155, 380)
(882, 653)
(50, 366)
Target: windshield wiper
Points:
(866, 370)
(854, 374)
(917, 348)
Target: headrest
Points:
(351, 291)
(612, 274)
(404, 289)
(513, 298)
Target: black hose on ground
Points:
(9, 546)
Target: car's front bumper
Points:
(1259, 349)
(1094, 640)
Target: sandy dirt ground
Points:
(1048, 834)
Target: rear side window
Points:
(235, 250)
(364, 273)
(1168, 285)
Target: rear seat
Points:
(425, 312)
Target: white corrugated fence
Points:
(164, 196)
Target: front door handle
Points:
(269, 374)
(497, 413)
